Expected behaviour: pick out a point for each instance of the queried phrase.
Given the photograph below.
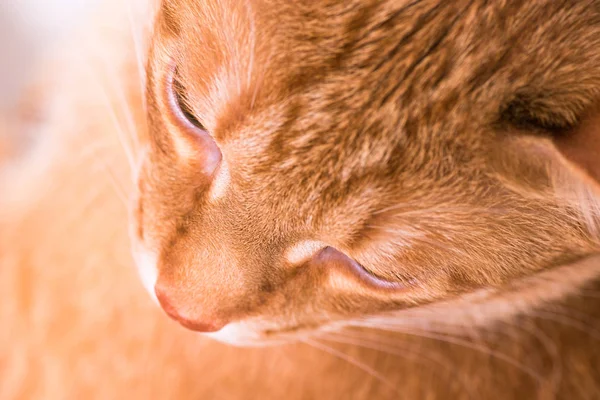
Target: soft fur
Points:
(445, 146)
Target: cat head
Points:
(310, 164)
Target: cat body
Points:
(78, 321)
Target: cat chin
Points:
(244, 335)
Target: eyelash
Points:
(182, 103)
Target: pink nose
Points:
(184, 315)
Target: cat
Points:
(403, 196)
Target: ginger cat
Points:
(387, 199)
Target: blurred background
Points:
(27, 29)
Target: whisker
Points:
(119, 129)
(459, 342)
(126, 108)
(550, 347)
(581, 316)
(92, 199)
(91, 151)
(120, 192)
(350, 360)
(568, 321)
(384, 347)
(119, 92)
(138, 54)
(113, 116)
(95, 154)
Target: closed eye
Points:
(190, 138)
(332, 256)
(179, 102)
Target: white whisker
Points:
(138, 54)
(456, 341)
(120, 192)
(350, 360)
(91, 150)
(119, 129)
(118, 90)
(568, 321)
(392, 348)
(550, 347)
(126, 109)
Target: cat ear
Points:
(579, 150)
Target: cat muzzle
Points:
(187, 317)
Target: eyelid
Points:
(331, 256)
(181, 101)
(191, 142)
(177, 100)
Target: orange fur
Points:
(496, 260)
(372, 141)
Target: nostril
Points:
(182, 314)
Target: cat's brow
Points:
(302, 250)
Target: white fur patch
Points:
(301, 251)
(147, 268)
(221, 182)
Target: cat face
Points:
(311, 164)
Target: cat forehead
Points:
(355, 75)
(368, 66)
(323, 119)
(405, 47)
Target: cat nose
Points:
(186, 315)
